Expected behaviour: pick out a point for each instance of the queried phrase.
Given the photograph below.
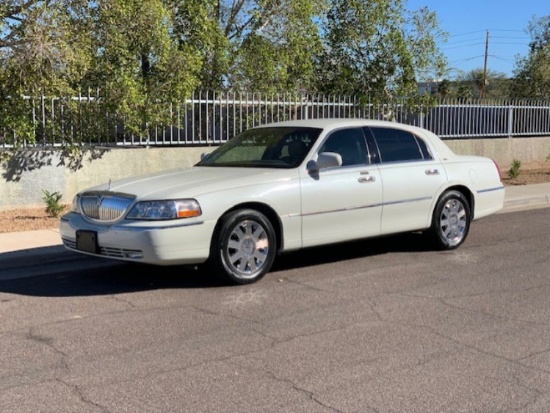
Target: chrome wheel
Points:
(247, 249)
(245, 246)
(451, 220)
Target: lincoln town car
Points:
(285, 187)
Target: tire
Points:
(451, 220)
(244, 248)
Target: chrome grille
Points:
(105, 206)
(108, 251)
(69, 243)
(120, 252)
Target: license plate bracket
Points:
(87, 241)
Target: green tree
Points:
(196, 26)
(135, 53)
(464, 92)
(42, 50)
(139, 61)
(532, 73)
(378, 48)
(445, 88)
(41, 53)
(139, 54)
(497, 84)
(262, 45)
(280, 58)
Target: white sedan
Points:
(286, 186)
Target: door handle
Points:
(432, 172)
(365, 179)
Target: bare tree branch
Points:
(235, 10)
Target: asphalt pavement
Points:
(43, 242)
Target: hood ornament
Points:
(109, 187)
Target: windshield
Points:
(273, 147)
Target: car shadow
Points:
(96, 277)
(405, 243)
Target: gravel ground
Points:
(26, 219)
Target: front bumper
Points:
(159, 242)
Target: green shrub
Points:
(53, 206)
(514, 169)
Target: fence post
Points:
(510, 120)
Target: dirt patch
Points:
(26, 219)
(528, 177)
(30, 219)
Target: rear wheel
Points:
(243, 249)
(451, 220)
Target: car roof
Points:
(340, 122)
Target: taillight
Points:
(498, 169)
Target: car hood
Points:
(193, 181)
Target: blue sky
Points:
(467, 22)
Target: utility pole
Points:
(484, 85)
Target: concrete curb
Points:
(20, 241)
(526, 197)
(539, 200)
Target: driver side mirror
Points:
(325, 160)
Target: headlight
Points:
(171, 209)
(75, 207)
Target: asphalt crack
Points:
(78, 391)
(49, 342)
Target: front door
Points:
(345, 202)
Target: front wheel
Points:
(243, 249)
(451, 220)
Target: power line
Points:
(480, 40)
(465, 45)
(503, 59)
(506, 30)
(496, 39)
(465, 34)
(510, 37)
(486, 55)
(483, 31)
(468, 59)
(517, 44)
(463, 41)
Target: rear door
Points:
(411, 178)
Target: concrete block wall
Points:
(532, 152)
(23, 180)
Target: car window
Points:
(293, 149)
(267, 147)
(426, 153)
(397, 145)
(349, 143)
